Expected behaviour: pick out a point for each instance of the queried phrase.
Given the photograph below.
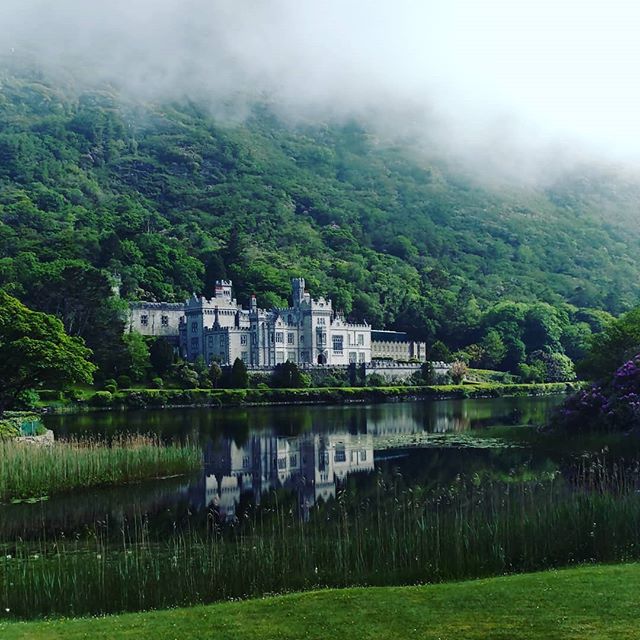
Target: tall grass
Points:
(28, 470)
(401, 535)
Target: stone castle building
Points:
(309, 332)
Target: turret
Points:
(223, 289)
(297, 286)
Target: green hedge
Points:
(142, 398)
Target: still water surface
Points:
(307, 453)
(294, 498)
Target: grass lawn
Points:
(584, 603)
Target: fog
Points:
(493, 83)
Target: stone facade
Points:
(309, 332)
(396, 345)
(156, 318)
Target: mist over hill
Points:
(168, 196)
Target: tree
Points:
(458, 372)
(81, 296)
(426, 375)
(215, 374)
(439, 352)
(575, 340)
(494, 349)
(161, 355)
(543, 327)
(184, 375)
(36, 351)
(287, 376)
(214, 270)
(239, 376)
(138, 356)
(619, 342)
(548, 367)
(202, 371)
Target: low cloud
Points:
(499, 85)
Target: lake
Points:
(307, 496)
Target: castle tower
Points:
(297, 285)
(223, 289)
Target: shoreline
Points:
(129, 399)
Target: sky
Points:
(493, 77)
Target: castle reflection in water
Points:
(312, 466)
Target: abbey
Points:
(308, 332)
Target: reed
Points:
(399, 535)
(31, 471)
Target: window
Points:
(291, 356)
(279, 336)
(164, 321)
(290, 337)
(340, 454)
(363, 455)
(244, 356)
(289, 319)
(194, 344)
(293, 460)
(353, 356)
(304, 356)
(246, 461)
(243, 339)
(279, 357)
(361, 357)
(321, 321)
(337, 344)
(282, 463)
(144, 320)
(302, 339)
(194, 327)
(211, 341)
(360, 339)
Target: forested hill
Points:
(168, 198)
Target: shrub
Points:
(157, 383)
(75, 395)
(458, 371)
(28, 399)
(111, 388)
(110, 382)
(101, 399)
(375, 380)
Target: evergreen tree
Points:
(161, 355)
(287, 376)
(215, 374)
(239, 376)
(214, 270)
(439, 352)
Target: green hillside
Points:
(168, 198)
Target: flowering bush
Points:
(606, 406)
